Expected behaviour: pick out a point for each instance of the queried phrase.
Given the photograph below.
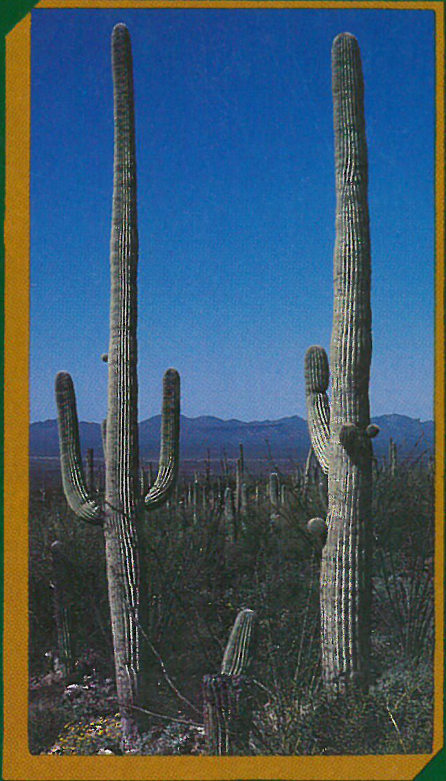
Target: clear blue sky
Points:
(236, 204)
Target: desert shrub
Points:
(403, 571)
(395, 717)
(51, 519)
(197, 581)
(47, 713)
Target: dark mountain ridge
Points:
(286, 438)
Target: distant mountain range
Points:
(283, 439)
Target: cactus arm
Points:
(317, 527)
(170, 428)
(236, 658)
(318, 408)
(349, 437)
(73, 480)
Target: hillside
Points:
(286, 438)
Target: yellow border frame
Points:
(17, 762)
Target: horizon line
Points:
(239, 420)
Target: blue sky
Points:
(236, 204)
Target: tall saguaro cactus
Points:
(341, 432)
(122, 511)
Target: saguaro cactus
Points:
(60, 580)
(309, 471)
(243, 499)
(122, 511)
(229, 515)
(393, 457)
(239, 477)
(341, 435)
(274, 498)
(227, 697)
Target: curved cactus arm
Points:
(316, 383)
(73, 480)
(170, 438)
(237, 657)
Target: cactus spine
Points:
(341, 435)
(122, 512)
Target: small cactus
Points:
(237, 658)
(393, 457)
(227, 696)
(60, 580)
(195, 494)
(283, 494)
(274, 498)
(229, 515)
(238, 484)
(309, 470)
(207, 468)
(243, 499)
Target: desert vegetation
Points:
(201, 573)
(229, 614)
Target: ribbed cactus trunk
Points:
(341, 435)
(346, 585)
(122, 485)
(227, 696)
(125, 500)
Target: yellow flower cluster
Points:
(89, 737)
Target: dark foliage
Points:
(197, 582)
